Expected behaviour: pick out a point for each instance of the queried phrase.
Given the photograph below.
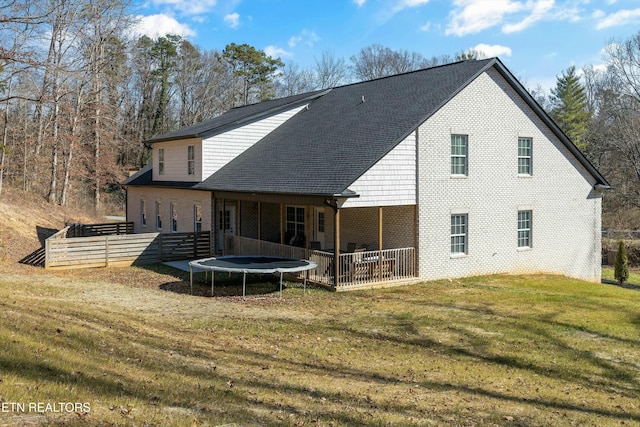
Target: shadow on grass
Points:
(225, 284)
(623, 285)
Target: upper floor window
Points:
(458, 234)
(161, 161)
(459, 152)
(524, 229)
(191, 160)
(524, 156)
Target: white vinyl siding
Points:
(391, 181)
(179, 160)
(220, 149)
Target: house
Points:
(444, 172)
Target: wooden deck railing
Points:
(355, 270)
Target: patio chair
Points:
(351, 247)
(315, 245)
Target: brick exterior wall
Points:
(565, 208)
(185, 201)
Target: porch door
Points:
(226, 223)
(320, 225)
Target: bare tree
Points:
(292, 81)
(330, 71)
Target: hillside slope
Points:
(27, 219)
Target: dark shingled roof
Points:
(344, 131)
(325, 148)
(237, 117)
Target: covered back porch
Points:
(354, 248)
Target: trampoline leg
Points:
(304, 286)
(191, 279)
(213, 275)
(280, 284)
(244, 283)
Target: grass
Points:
(519, 350)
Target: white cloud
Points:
(426, 27)
(473, 16)
(619, 18)
(188, 7)
(539, 11)
(232, 20)
(277, 52)
(490, 51)
(306, 37)
(360, 2)
(160, 25)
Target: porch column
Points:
(259, 228)
(214, 228)
(223, 222)
(380, 243)
(307, 227)
(336, 244)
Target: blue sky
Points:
(536, 39)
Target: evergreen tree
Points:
(569, 106)
(621, 272)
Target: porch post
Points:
(380, 243)
(336, 244)
(259, 228)
(224, 223)
(214, 228)
(307, 228)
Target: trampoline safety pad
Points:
(248, 265)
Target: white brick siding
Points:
(391, 181)
(185, 201)
(565, 209)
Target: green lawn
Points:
(499, 350)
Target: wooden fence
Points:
(101, 249)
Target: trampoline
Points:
(250, 264)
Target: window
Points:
(524, 156)
(174, 216)
(158, 216)
(161, 161)
(320, 222)
(197, 218)
(458, 234)
(459, 150)
(143, 213)
(295, 224)
(524, 229)
(191, 163)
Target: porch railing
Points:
(355, 269)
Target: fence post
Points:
(106, 251)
